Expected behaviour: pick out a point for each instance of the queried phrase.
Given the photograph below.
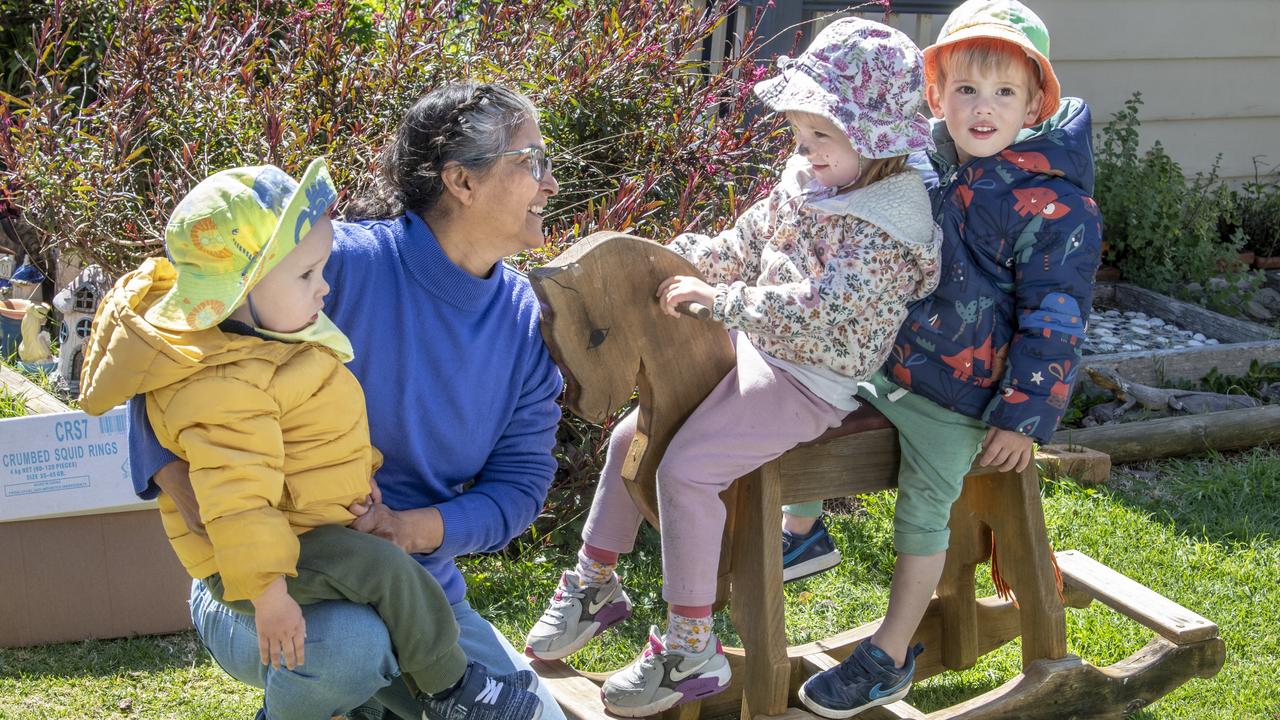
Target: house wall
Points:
(1208, 70)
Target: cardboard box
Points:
(80, 555)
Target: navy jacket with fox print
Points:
(1000, 340)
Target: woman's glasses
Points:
(539, 165)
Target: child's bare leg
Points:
(914, 579)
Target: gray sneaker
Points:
(575, 615)
(661, 679)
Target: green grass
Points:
(1202, 532)
(11, 404)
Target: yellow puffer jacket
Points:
(276, 433)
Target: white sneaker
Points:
(661, 679)
(576, 614)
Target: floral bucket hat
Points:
(229, 232)
(1007, 20)
(865, 77)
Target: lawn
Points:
(1201, 531)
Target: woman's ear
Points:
(459, 183)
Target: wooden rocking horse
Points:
(603, 326)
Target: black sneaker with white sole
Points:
(807, 555)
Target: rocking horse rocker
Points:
(605, 330)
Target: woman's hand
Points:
(1006, 449)
(281, 627)
(173, 479)
(420, 530)
(682, 288)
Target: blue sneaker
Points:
(865, 679)
(807, 555)
(481, 695)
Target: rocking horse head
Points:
(603, 325)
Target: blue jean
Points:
(348, 658)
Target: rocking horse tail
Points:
(1004, 591)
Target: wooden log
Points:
(1157, 367)
(1174, 436)
(1185, 314)
(758, 606)
(576, 694)
(37, 400)
(1084, 465)
(1071, 688)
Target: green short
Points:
(938, 447)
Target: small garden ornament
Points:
(77, 302)
(34, 348)
(25, 283)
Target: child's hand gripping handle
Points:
(695, 310)
(683, 295)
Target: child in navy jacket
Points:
(983, 367)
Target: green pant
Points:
(804, 509)
(338, 563)
(937, 448)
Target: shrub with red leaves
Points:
(123, 105)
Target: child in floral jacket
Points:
(812, 282)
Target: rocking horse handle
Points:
(695, 310)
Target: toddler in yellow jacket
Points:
(245, 380)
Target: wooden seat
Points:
(604, 329)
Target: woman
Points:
(460, 390)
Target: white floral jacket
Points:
(819, 280)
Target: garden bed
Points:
(1235, 367)
(1131, 319)
(1167, 343)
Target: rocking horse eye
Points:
(598, 336)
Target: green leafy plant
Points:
(1254, 382)
(1161, 228)
(1255, 211)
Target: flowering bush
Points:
(100, 145)
(120, 106)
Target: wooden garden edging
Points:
(35, 398)
(1184, 314)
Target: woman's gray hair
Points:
(467, 123)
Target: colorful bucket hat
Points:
(865, 77)
(228, 233)
(1007, 20)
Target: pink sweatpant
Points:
(754, 415)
